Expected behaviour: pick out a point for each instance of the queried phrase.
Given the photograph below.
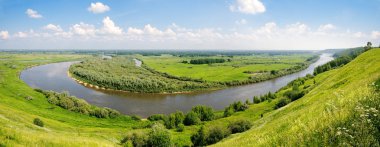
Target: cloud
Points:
(52, 27)
(110, 28)
(4, 35)
(326, 27)
(375, 34)
(241, 22)
(21, 35)
(33, 14)
(248, 6)
(297, 28)
(98, 7)
(83, 29)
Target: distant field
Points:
(226, 71)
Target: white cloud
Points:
(33, 14)
(4, 35)
(21, 35)
(248, 6)
(241, 22)
(297, 28)
(326, 27)
(98, 7)
(83, 29)
(375, 34)
(359, 35)
(52, 27)
(110, 28)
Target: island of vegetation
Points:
(173, 73)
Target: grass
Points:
(227, 71)
(333, 97)
(326, 105)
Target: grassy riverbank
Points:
(330, 99)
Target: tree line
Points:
(207, 61)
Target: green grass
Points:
(332, 102)
(227, 71)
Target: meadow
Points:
(239, 68)
(332, 100)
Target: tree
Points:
(216, 134)
(205, 113)
(282, 103)
(191, 119)
(159, 136)
(239, 126)
(368, 47)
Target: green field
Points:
(330, 102)
(228, 71)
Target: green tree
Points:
(159, 136)
(38, 122)
(205, 113)
(191, 119)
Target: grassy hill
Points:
(331, 113)
(311, 120)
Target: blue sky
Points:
(188, 24)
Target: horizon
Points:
(188, 25)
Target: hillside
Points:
(328, 105)
(319, 118)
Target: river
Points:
(54, 77)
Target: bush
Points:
(136, 117)
(294, 94)
(158, 136)
(205, 113)
(179, 117)
(136, 139)
(216, 134)
(191, 119)
(239, 126)
(180, 128)
(38, 122)
(283, 102)
(228, 111)
(156, 117)
(199, 138)
(256, 100)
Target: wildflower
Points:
(338, 133)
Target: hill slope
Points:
(318, 117)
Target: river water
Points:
(54, 77)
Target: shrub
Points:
(180, 128)
(170, 121)
(179, 117)
(282, 103)
(136, 139)
(239, 106)
(205, 113)
(256, 100)
(158, 136)
(294, 94)
(191, 119)
(228, 111)
(216, 134)
(239, 126)
(199, 138)
(136, 117)
(156, 117)
(38, 122)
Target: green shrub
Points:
(216, 134)
(239, 126)
(136, 139)
(169, 121)
(283, 102)
(179, 117)
(38, 122)
(136, 117)
(180, 128)
(228, 111)
(156, 117)
(191, 118)
(294, 94)
(205, 113)
(199, 138)
(256, 100)
(159, 136)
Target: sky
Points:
(188, 24)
